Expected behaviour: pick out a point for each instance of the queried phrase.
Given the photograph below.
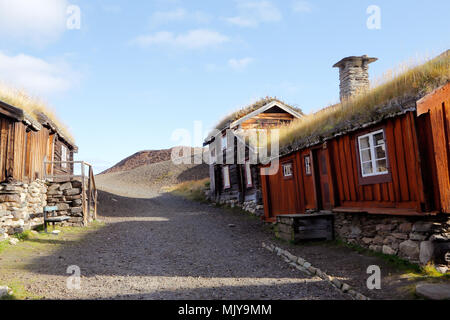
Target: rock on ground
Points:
(434, 291)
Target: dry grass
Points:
(372, 105)
(20, 99)
(235, 115)
(192, 190)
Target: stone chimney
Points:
(353, 75)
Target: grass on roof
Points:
(367, 107)
(22, 100)
(249, 109)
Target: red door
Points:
(323, 180)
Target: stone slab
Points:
(434, 291)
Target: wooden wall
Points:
(404, 190)
(408, 187)
(23, 151)
(435, 109)
(238, 189)
(58, 169)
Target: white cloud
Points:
(301, 6)
(239, 64)
(193, 39)
(177, 15)
(38, 76)
(161, 17)
(253, 13)
(38, 21)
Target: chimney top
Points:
(353, 75)
(356, 60)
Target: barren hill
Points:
(140, 158)
(150, 178)
(143, 158)
(146, 172)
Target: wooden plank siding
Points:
(437, 106)
(23, 151)
(59, 169)
(409, 188)
(405, 188)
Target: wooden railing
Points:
(89, 193)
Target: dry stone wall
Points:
(67, 197)
(417, 239)
(22, 204)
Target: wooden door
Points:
(323, 180)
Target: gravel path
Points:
(165, 247)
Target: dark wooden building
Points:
(235, 180)
(26, 142)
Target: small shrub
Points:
(26, 235)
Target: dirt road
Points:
(165, 247)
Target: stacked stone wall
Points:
(417, 239)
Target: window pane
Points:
(308, 165)
(380, 152)
(382, 165)
(287, 170)
(366, 155)
(367, 168)
(364, 143)
(378, 138)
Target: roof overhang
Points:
(46, 122)
(19, 115)
(264, 109)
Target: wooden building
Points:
(26, 142)
(392, 163)
(235, 180)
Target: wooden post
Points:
(89, 191)
(95, 204)
(83, 195)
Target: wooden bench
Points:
(298, 227)
(53, 218)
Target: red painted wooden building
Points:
(375, 169)
(397, 164)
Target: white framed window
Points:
(373, 154)
(64, 156)
(308, 165)
(224, 142)
(226, 177)
(248, 175)
(287, 170)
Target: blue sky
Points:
(135, 71)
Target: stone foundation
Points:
(249, 206)
(22, 205)
(417, 239)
